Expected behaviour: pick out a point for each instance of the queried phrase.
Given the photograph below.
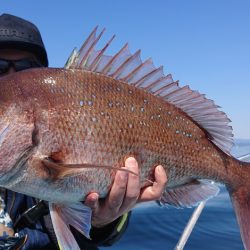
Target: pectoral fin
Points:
(60, 170)
(76, 215)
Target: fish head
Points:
(16, 126)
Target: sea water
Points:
(159, 228)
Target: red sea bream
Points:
(64, 132)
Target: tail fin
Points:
(241, 202)
(240, 196)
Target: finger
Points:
(92, 201)
(154, 192)
(133, 186)
(117, 192)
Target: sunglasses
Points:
(18, 65)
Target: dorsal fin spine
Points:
(207, 111)
(107, 67)
(82, 52)
(153, 84)
(197, 101)
(219, 130)
(187, 98)
(175, 99)
(131, 74)
(94, 64)
(177, 92)
(149, 87)
(167, 95)
(221, 136)
(72, 59)
(162, 89)
(170, 88)
(140, 81)
(127, 61)
(91, 48)
(89, 37)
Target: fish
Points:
(65, 132)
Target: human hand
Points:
(124, 194)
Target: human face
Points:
(12, 54)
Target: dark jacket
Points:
(41, 234)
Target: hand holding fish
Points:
(124, 194)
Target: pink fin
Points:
(241, 202)
(59, 170)
(129, 68)
(189, 194)
(76, 215)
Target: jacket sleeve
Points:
(105, 236)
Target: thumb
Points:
(155, 191)
(92, 201)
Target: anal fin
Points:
(189, 194)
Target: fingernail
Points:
(159, 169)
(130, 161)
(94, 198)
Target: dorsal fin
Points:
(129, 68)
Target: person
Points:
(21, 47)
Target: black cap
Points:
(17, 33)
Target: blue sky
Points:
(205, 44)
